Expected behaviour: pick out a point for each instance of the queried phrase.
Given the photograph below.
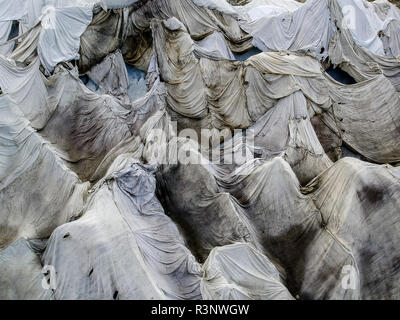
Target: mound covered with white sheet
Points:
(197, 149)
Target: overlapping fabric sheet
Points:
(330, 140)
(85, 126)
(29, 173)
(127, 29)
(344, 219)
(9, 11)
(106, 33)
(99, 127)
(340, 101)
(280, 25)
(111, 76)
(293, 231)
(217, 93)
(36, 11)
(222, 94)
(240, 272)
(196, 200)
(188, 74)
(216, 99)
(359, 204)
(279, 98)
(287, 130)
(269, 214)
(25, 87)
(60, 39)
(254, 8)
(365, 41)
(26, 50)
(115, 4)
(215, 45)
(48, 103)
(274, 76)
(129, 25)
(314, 238)
(124, 246)
(21, 274)
(5, 30)
(290, 30)
(89, 130)
(30, 12)
(138, 83)
(366, 115)
(365, 20)
(61, 26)
(199, 21)
(360, 63)
(368, 21)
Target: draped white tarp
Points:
(285, 222)
(60, 37)
(240, 272)
(124, 247)
(115, 4)
(111, 76)
(5, 30)
(309, 26)
(9, 11)
(25, 87)
(359, 62)
(21, 273)
(287, 30)
(214, 45)
(219, 93)
(280, 25)
(62, 24)
(29, 173)
(365, 21)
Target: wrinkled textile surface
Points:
(199, 149)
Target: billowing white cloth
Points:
(30, 12)
(359, 202)
(286, 130)
(240, 272)
(115, 4)
(254, 8)
(60, 39)
(124, 246)
(308, 28)
(211, 216)
(62, 25)
(220, 93)
(29, 173)
(9, 11)
(111, 76)
(214, 45)
(25, 87)
(5, 29)
(220, 5)
(21, 274)
(281, 25)
(365, 23)
(286, 217)
(359, 62)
